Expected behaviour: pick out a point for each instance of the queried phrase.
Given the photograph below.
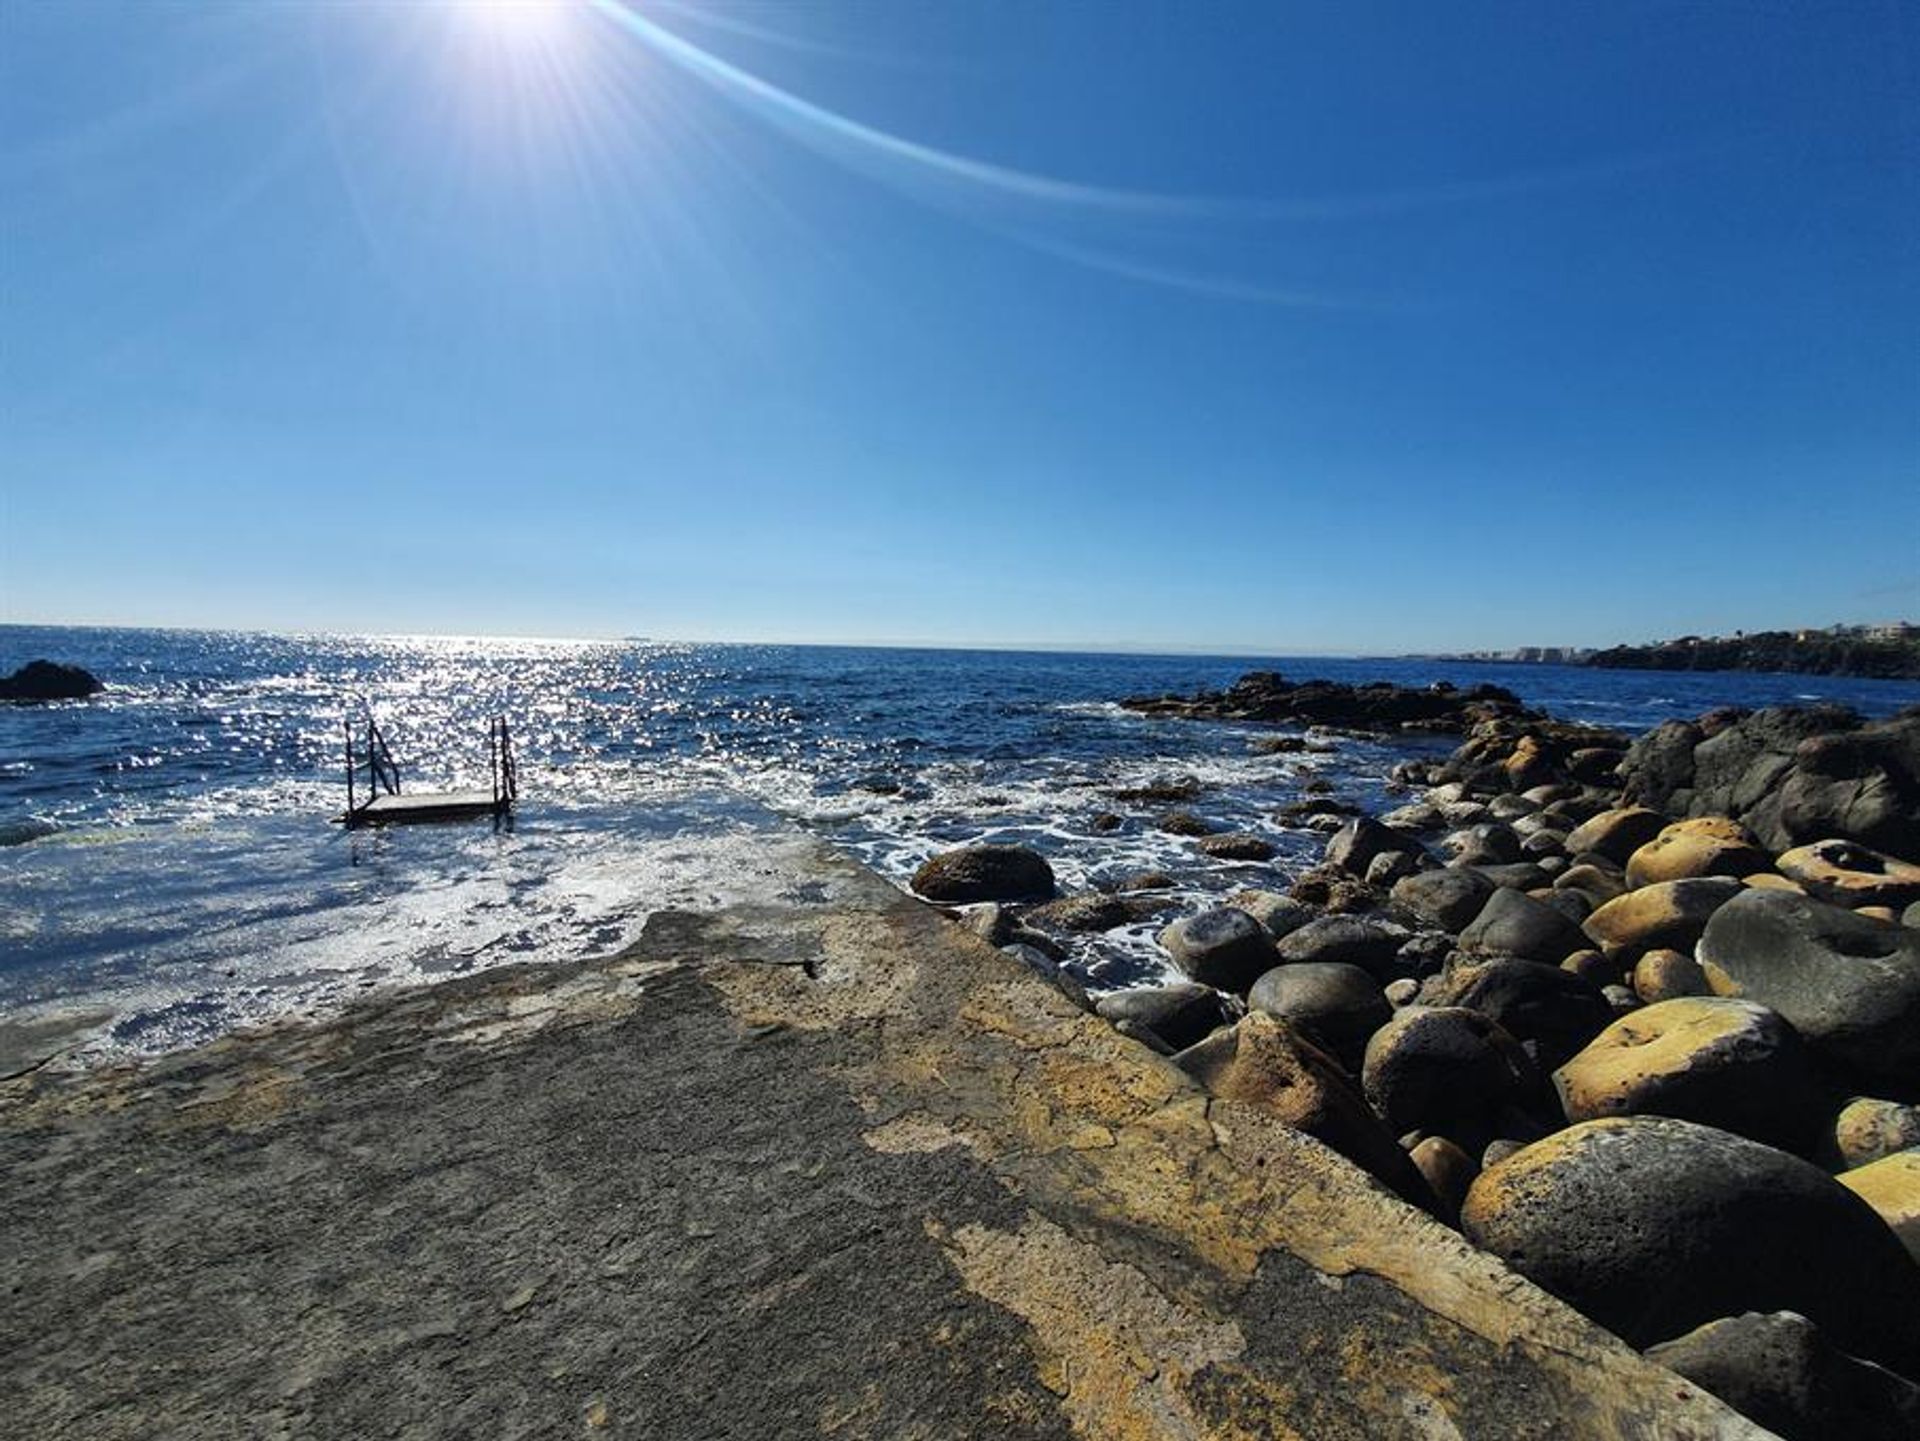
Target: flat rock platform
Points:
(820, 1165)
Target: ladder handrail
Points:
(383, 773)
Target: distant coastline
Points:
(1878, 652)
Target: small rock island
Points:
(40, 680)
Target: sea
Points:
(171, 867)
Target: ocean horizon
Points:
(172, 869)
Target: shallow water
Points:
(166, 856)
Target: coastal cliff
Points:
(1850, 653)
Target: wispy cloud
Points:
(1031, 208)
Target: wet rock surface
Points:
(985, 873)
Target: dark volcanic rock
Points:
(1653, 1226)
(985, 873)
(1092, 912)
(1553, 1011)
(1184, 823)
(1778, 1370)
(1488, 844)
(1862, 786)
(1793, 775)
(1512, 923)
(1354, 846)
(1373, 945)
(1223, 947)
(1269, 696)
(1444, 1069)
(1849, 985)
(1450, 899)
(1518, 876)
(48, 680)
(1339, 1005)
(1180, 1015)
(1237, 846)
(1658, 770)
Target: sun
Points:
(537, 24)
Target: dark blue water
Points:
(168, 866)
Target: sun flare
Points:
(520, 22)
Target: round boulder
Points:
(1596, 883)
(1847, 874)
(1667, 976)
(1778, 1370)
(1867, 1129)
(1489, 844)
(1090, 912)
(1849, 986)
(1679, 854)
(1668, 916)
(1551, 1011)
(1720, 1062)
(1616, 834)
(1444, 1069)
(1223, 947)
(1373, 945)
(1180, 1015)
(1653, 1226)
(1891, 1185)
(985, 873)
(1448, 898)
(1448, 1172)
(1512, 923)
(1339, 1005)
(1281, 915)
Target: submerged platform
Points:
(817, 1163)
(427, 806)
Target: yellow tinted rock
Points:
(1868, 1129)
(1725, 1063)
(1846, 874)
(1771, 881)
(1892, 1187)
(1670, 914)
(1615, 834)
(1685, 850)
(1722, 828)
(1667, 975)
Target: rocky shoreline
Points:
(813, 1162)
(1639, 1016)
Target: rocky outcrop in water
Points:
(1379, 706)
(48, 680)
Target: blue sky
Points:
(1336, 327)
